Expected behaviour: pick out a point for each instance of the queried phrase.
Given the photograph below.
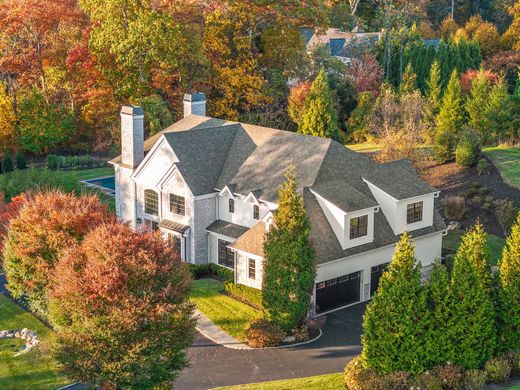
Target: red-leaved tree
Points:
(9, 211)
(119, 302)
(466, 79)
(47, 224)
(366, 74)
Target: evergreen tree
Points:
(471, 326)
(289, 268)
(409, 82)
(515, 101)
(396, 322)
(476, 103)
(509, 312)
(499, 113)
(7, 162)
(434, 88)
(320, 117)
(21, 162)
(438, 303)
(451, 113)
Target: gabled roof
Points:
(252, 241)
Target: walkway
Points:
(212, 332)
(213, 365)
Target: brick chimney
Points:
(195, 104)
(132, 135)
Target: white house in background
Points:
(212, 187)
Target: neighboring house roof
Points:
(252, 241)
(227, 229)
(175, 226)
(432, 42)
(348, 44)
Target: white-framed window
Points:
(414, 212)
(251, 268)
(151, 202)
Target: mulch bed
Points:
(454, 180)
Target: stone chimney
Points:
(195, 104)
(132, 135)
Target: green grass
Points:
(86, 174)
(364, 147)
(34, 369)
(495, 244)
(507, 161)
(329, 381)
(229, 314)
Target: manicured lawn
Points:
(86, 174)
(329, 381)
(507, 161)
(364, 147)
(229, 314)
(34, 369)
(495, 244)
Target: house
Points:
(344, 45)
(211, 186)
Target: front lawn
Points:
(229, 314)
(329, 381)
(507, 161)
(34, 369)
(451, 242)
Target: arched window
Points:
(151, 202)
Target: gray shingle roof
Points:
(227, 228)
(344, 196)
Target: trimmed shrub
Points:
(487, 206)
(514, 360)
(262, 333)
(53, 161)
(477, 199)
(301, 333)
(506, 212)
(483, 167)
(428, 381)
(357, 377)
(7, 163)
(498, 369)
(200, 270)
(21, 162)
(68, 163)
(454, 207)
(249, 295)
(399, 380)
(443, 146)
(450, 375)
(483, 191)
(489, 199)
(468, 148)
(474, 379)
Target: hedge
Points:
(73, 162)
(249, 295)
(200, 270)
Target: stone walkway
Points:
(212, 332)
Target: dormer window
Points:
(231, 205)
(177, 204)
(414, 212)
(358, 226)
(151, 202)
(256, 212)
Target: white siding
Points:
(243, 214)
(125, 195)
(427, 219)
(350, 243)
(387, 204)
(335, 216)
(242, 267)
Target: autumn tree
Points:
(296, 102)
(514, 28)
(397, 319)
(509, 310)
(488, 38)
(125, 292)
(366, 74)
(320, 117)
(289, 268)
(46, 226)
(448, 28)
(358, 125)
(7, 120)
(8, 211)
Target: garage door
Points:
(338, 292)
(375, 274)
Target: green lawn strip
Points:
(495, 244)
(507, 161)
(329, 381)
(229, 314)
(94, 173)
(34, 369)
(364, 147)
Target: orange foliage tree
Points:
(47, 224)
(125, 292)
(366, 74)
(9, 211)
(296, 101)
(466, 79)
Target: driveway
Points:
(213, 365)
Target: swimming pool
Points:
(106, 184)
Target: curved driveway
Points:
(213, 365)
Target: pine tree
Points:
(434, 88)
(289, 268)
(515, 101)
(7, 162)
(451, 113)
(499, 113)
(21, 162)
(396, 322)
(320, 117)
(438, 303)
(476, 103)
(509, 312)
(471, 326)
(409, 82)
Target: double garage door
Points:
(337, 292)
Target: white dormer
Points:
(244, 210)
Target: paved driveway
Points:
(213, 365)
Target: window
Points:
(177, 204)
(175, 240)
(251, 268)
(151, 202)
(225, 255)
(358, 226)
(414, 212)
(231, 205)
(256, 212)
